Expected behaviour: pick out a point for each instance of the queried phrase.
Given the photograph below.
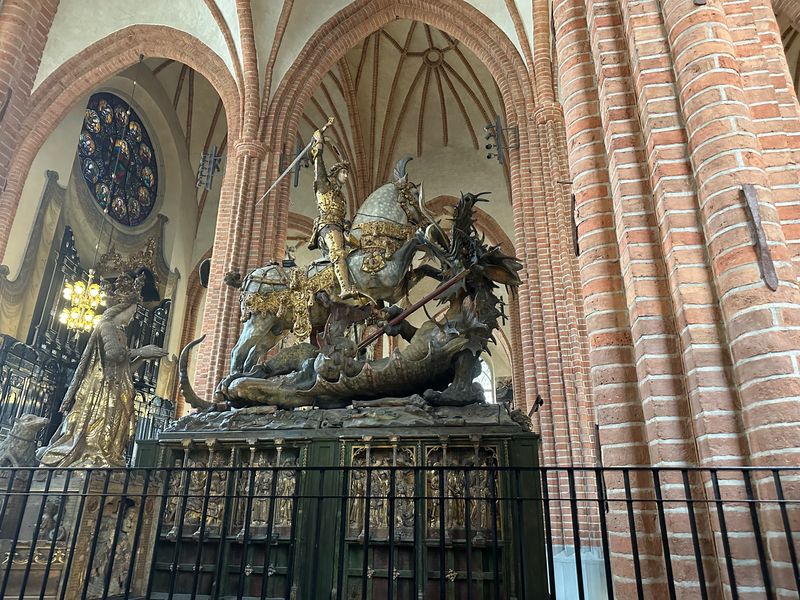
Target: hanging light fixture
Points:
(84, 298)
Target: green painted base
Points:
(401, 506)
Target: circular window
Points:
(117, 159)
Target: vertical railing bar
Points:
(724, 534)
(662, 521)
(391, 500)
(17, 529)
(36, 531)
(787, 528)
(468, 530)
(12, 477)
(602, 504)
(198, 561)
(96, 536)
(492, 473)
(56, 527)
(317, 528)
(367, 507)
(576, 534)
(442, 556)
(698, 553)
(270, 525)
(551, 570)
(118, 526)
(637, 567)
(78, 516)
(248, 512)
(293, 534)
(343, 522)
(762, 558)
(138, 532)
(187, 477)
(157, 540)
(520, 532)
(227, 500)
(420, 513)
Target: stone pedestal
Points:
(324, 502)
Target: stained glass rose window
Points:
(117, 159)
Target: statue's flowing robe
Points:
(98, 423)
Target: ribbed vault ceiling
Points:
(406, 89)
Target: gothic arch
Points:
(542, 235)
(363, 17)
(86, 70)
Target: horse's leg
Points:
(270, 330)
(247, 338)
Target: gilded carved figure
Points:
(286, 486)
(98, 406)
(331, 224)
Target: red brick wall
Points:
(670, 109)
(24, 26)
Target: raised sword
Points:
(296, 160)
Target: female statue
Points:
(98, 406)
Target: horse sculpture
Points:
(276, 299)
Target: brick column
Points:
(24, 26)
(616, 392)
(725, 111)
(232, 241)
(725, 154)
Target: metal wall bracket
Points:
(765, 263)
(505, 139)
(6, 102)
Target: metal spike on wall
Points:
(765, 263)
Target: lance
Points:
(296, 160)
(414, 308)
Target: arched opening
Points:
(408, 88)
(124, 191)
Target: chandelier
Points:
(83, 299)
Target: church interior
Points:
(399, 299)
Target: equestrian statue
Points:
(367, 266)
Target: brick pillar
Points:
(613, 369)
(725, 154)
(726, 113)
(232, 241)
(24, 26)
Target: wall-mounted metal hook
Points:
(6, 102)
(765, 263)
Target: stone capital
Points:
(548, 113)
(250, 147)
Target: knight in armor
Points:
(329, 226)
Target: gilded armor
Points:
(331, 223)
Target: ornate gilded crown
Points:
(127, 288)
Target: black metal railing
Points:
(398, 532)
